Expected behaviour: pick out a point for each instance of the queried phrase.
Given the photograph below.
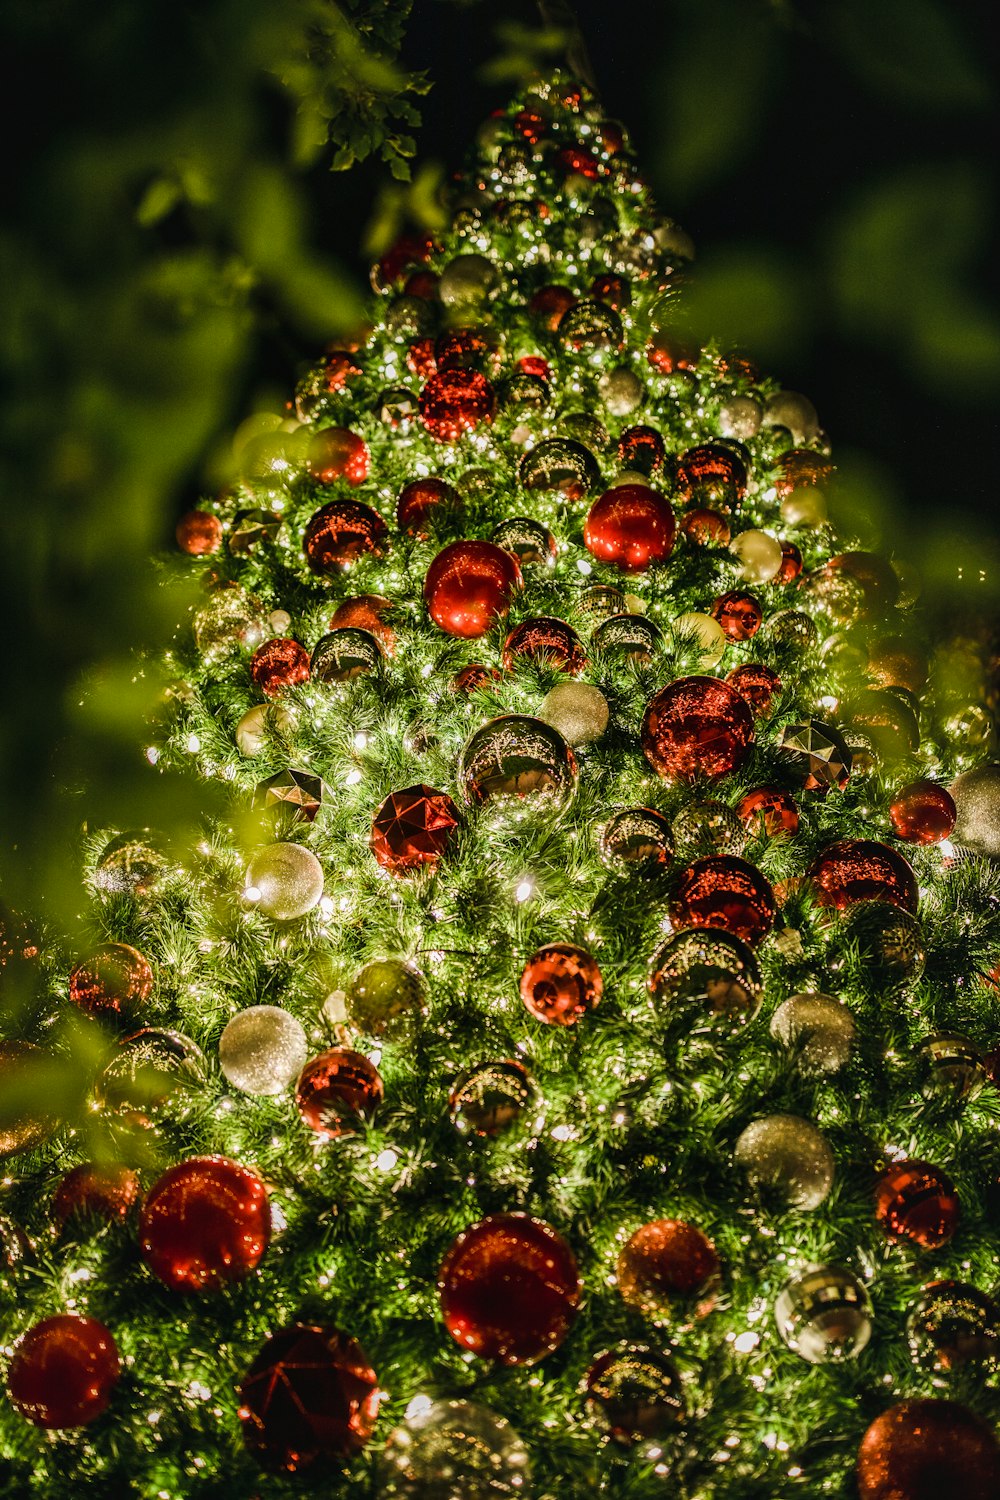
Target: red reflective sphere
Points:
(476, 678)
(853, 870)
(112, 984)
(411, 829)
(279, 664)
(705, 527)
(341, 533)
(338, 1090)
(696, 726)
(454, 402)
(641, 449)
(757, 684)
(739, 614)
(63, 1371)
(337, 453)
(923, 812)
(769, 810)
(916, 1201)
(801, 468)
(547, 642)
(206, 1222)
(423, 502)
(549, 303)
(727, 892)
(198, 533)
(367, 612)
(631, 526)
(791, 563)
(712, 475)
(99, 1192)
(560, 984)
(469, 586)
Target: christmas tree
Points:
(568, 1065)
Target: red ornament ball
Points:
(928, 1450)
(205, 1222)
(705, 527)
(548, 643)
(198, 533)
(757, 685)
(455, 401)
(641, 449)
(112, 984)
(666, 1263)
(337, 453)
(310, 1398)
(631, 527)
(367, 612)
(769, 810)
(476, 678)
(509, 1289)
(791, 563)
(409, 250)
(279, 664)
(739, 614)
(549, 303)
(612, 289)
(469, 586)
(560, 984)
(425, 502)
(852, 870)
(712, 475)
(337, 1091)
(341, 533)
(421, 357)
(63, 1371)
(412, 828)
(915, 1201)
(696, 726)
(923, 812)
(101, 1193)
(727, 892)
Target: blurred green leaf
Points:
(751, 298)
(912, 50)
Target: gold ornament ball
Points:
(621, 391)
(252, 730)
(787, 1156)
(819, 1029)
(384, 996)
(976, 795)
(22, 1124)
(709, 634)
(759, 554)
(263, 1050)
(794, 411)
(740, 418)
(577, 710)
(805, 507)
(287, 880)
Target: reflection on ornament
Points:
(636, 1394)
(262, 1050)
(337, 1091)
(63, 1372)
(491, 1097)
(514, 763)
(412, 828)
(916, 1201)
(560, 984)
(711, 970)
(636, 840)
(953, 1325)
(385, 996)
(824, 1315)
(453, 1450)
(787, 1157)
(696, 726)
(206, 1222)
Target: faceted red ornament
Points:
(63, 1371)
(310, 1398)
(337, 453)
(801, 468)
(549, 303)
(408, 250)
(278, 664)
(421, 358)
(612, 289)
(411, 829)
(468, 587)
(206, 1222)
(475, 678)
(641, 449)
(915, 1201)
(739, 614)
(712, 475)
(422, 502)
(198, 533)
(340, 533)
(455, 401)
(723, 891)
(927, 1449)
(631, 526)
(769, 810)
(923, 812)
(696, 726)
(757, 685)
(560, 984)
(99, 1192)
(852, 870)
(112, 984)
(791, 563)
(509, 1289)
(547, 642)
(705, 527)
(366, 612)
(337, 1091)
(534, 364)
(576, 161)
(665, 1263)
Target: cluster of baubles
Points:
(522, 438)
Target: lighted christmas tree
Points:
(568, 1068)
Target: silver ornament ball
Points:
(787, 1156)
(262, 1050)
(621, 391)
(453, 1450)
(794, 411)
(824, 1315)
(252, 730)
(467, 281)
(740, 418)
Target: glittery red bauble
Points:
(696, 726)
(928, 1450)
(549, 303)
(712, 475)
(468, 587)
(923, 812)
(409, 250)
(800, 468)
(853, 870)
(791, 563)
(455, 401)
(310, 1398)
(339, 366)
(101, 1192)
(366, 612)
(279, 664)
(421, 358)
(475, 678)
(198, 533)
(756, 684)
(547, 642)
(738, 613)
(112, 984)
(63, 1371)
(769, 810)
(576, 161)
(727, 892)
(411, 829)
(206, 1222)
(641, 449)
(337, 453)
(424, 502)
(560, 984)
(631, 526)
(665, 1263)
(462, 348)
(336, 1091)
(340, 533)
(529, 124)
(916, 1201)
(612, 289)
(705, 527)
(509, 1289)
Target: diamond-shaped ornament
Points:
(820, 753)
(299, 792)
(411, 829)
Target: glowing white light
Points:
(352, 778)
(746, 1343)
(192, 744)
(525, 890)
(251, 893)
(326, 905)
(360, 740)
(152, 754)
(386, 1160)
